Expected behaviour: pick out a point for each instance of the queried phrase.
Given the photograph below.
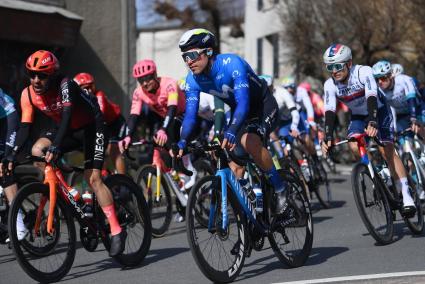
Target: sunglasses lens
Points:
(335, 67)
(40, 75)
(145, 79)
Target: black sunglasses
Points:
(192, 55)
(146, 78)
(40, 75)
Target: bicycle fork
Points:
(408, 149)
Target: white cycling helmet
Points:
(288, 82)
(381, 68)
(337, 53)
(397, 69)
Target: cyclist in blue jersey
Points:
(8, 124)
(253, 107)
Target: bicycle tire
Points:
(69, 251)
(160, 222)
(378, 193)
(415, 223)
(322, 187)
(202, 209)
(297, 196)
(233, 269)
(132, 209)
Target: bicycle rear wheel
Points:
(219, 254)
(133, 215)
(321, 186)
(372, 204)
(292, 240)
(416, 222)
(44, 257)
(161, 210)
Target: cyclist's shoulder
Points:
(229, 60)
(329, 84)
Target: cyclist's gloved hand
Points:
(415, 125)
(372, 129)
(326, 144)
(161, 137)
(52, 153)
(178, 151)
(294, 131)
(7, 164)
(123, 144)
(229, 141)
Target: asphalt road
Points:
(342, 248)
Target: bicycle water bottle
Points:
(88, 204)
(3, 201)
(259, 197)
(304, 170)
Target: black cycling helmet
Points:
(197, 38)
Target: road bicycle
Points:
(49, 209)
(412, 152)
(158, 182)
(23, 175)
(310, 170)
(237, 223)
(376, 198)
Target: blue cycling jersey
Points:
(230, 79)
(7, 105)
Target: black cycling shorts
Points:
(261, 121)
(92, 140)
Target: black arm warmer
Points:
(372, 108)
(12, 125)
(22, 136)
(131, 124)
(219, 117)
(330, 117)
(64, 125)
(171, 113)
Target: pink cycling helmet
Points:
(306, 86)
(143, 68)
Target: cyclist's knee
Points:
(40, 146)
(251, 142)
(354, 149)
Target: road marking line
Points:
(357, 277)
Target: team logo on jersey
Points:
(226, 61)
(235, 74)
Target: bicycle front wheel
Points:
(161, 209)
(322, 188)
(292, 241)
(133, 215)
(372, 204)
(44, 257)
(219, 254)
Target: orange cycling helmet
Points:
(42, 61)
(143, 68)
(84, 79)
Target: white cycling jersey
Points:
(303, 101)
(207, 107)
(287, 107)
(397, 97)
(361, 85)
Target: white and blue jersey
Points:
(8, 123)
(232, 80)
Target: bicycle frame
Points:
(54, 179)
(227, 177)
(408, 148)
(361, 144)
